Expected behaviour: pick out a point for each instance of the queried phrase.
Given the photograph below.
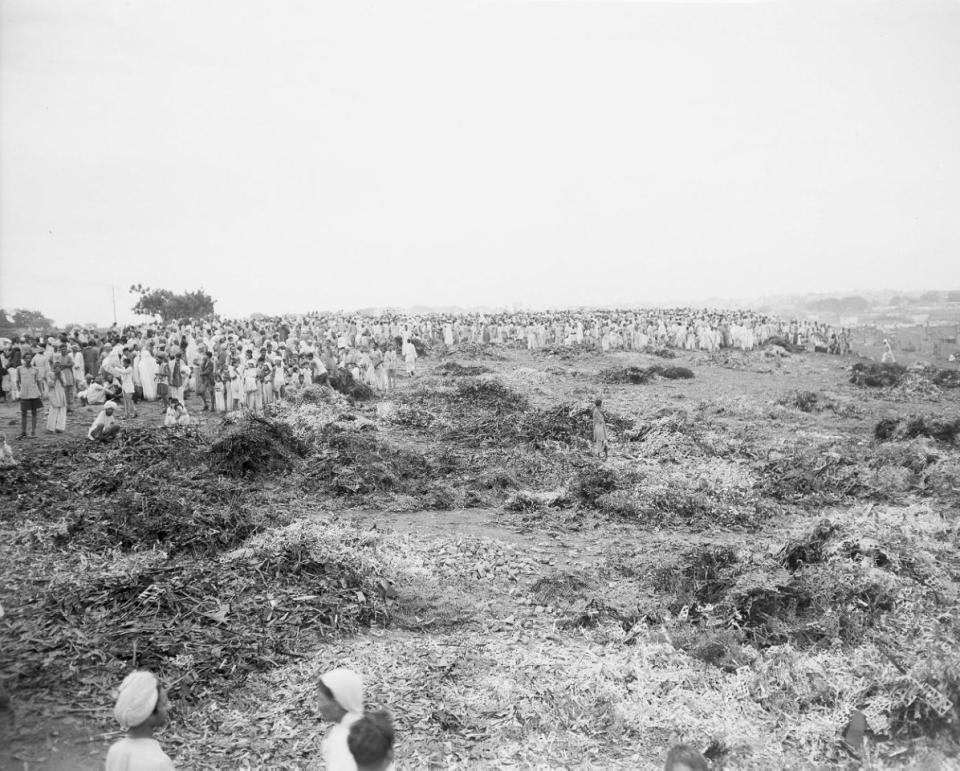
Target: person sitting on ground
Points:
(104, 426)
(341, 702)
(6, 453)
(370, 742)
(683, 757)
(141, 706)
(176, 414)
(94, 393)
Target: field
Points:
(769, 547)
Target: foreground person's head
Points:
(683, 757)
(141, 703)
(339, 691)
(371, 741)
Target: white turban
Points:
(110, 405)
(137, 698)
(346, 687)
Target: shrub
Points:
(877, 375)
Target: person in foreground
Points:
(341, 702)
(141, 706)
(683, 757)
(371, 742)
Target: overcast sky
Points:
(289, 156)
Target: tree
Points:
(27, 319)
(169, 306)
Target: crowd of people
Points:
(357, 741)
(247, 364)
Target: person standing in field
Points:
(887, 354)
(56, 399)
(599, 431)
(207, 381)
(163, 379)
(390, 364)
(410, 357)
(31, 393)
(126, 371)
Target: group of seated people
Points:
(357, 741)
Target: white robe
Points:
(148, 375)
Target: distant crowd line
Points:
(247, 364)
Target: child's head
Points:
(141, 701)
(683, 757)
(371, 741)
(598, 402)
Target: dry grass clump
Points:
(661, 353)
(343, 381)
(454, 369)
(316, 394)
(911, 427)
(525, 501)
(814, 475)
(824, 474)
(594, 481)
(876, 375)
(812, 401)
(489, 394)
(352, 463)
(151, 486)
(944, 378)
(876, 592)
(640, 375)
(257, 446)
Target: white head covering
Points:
(110, 405)
(137, 698)
(346, 687)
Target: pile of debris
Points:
(829, 589)
(454, 369)
(204, 626)
(913, 426)
(257, 446)
(351, 464)
(876, 375)
(640, 375)
(342, 380)
(472, 351)
(812, 401)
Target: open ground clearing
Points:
(755, 560)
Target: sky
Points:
(292, 156)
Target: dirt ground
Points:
(522, 645)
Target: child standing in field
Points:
(163, 379)
(127, 388)
(599, 431)
(141, 706)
